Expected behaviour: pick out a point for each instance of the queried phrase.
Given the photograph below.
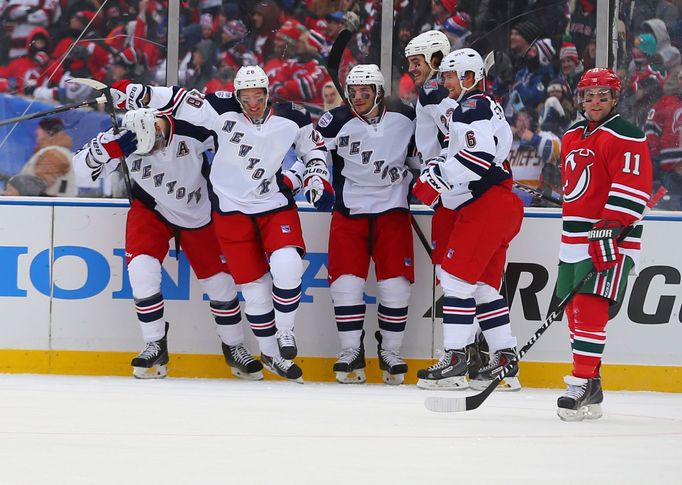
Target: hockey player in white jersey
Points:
(472, 176)
(368, 140)
(434, 108)
(166, 160)
(254, 212)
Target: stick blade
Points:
(438, 404)
(489, 61)
(88, 82)
(336, 52)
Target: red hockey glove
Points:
(107, 146)
(316, 187)
(603, 244)
(430, 185)
(128, 95)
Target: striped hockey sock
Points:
(588, 348)
(349, 322)
(150, 315)
(228, 317)
(392, 323)
(286, 303)
(458, 316)
(263, 327)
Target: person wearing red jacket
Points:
(607, 181)
(663, 129)
(22, 74)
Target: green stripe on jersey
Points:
(625, 203)
(577, 226)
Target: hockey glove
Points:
(430, 185)
(316, 187)
(128, 95)
(107, 146)
(603, 244)
(292, 180)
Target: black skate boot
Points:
(489, 372)
(473, 360)
(283, 368)
(287, 344)
(448, 373)
(242, 363)
(582, 399)
(151, 362)
(350, 367)
(391, 363)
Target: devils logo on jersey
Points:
(577, 166)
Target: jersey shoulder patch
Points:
(334, 122)
(294, 112)
(474, 108)
(433, 95)
(397, 106)
(624, 129)
(222, 104)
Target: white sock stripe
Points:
(148, 309)
(492, 314)
(349, 318)
(587, 354)
(286, 301)
(388, 318)
(460, 310)
(262, 325)
(225, 313)
(590, 340)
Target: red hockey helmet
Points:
(600, 77)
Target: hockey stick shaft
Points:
(447, 405)
(537, 193)
(59, 109)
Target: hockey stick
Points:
(459, 404)
(111, 109)
(537, 193)
(333, 64)
(58, 109)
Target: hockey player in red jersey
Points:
(166, 159)
(607, 181)
(471, 176)
(371, 220)
(254, 212)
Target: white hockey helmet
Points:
(366, 75)
(251, 77)
(461, 61)
(427, 44)
(142, 122)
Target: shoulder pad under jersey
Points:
(332, 121)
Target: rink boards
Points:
(67, 305)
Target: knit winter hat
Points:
(646, 43)
(28, 185)
(449, 5)
(528, 30)
(291, 31)
(51, 126)
(568, 51)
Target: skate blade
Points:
(254, 376)
(154, 372)
(449, 383)
(273, 371)
(393, 379)
(591, 411)
(355, 377)
(506, 384)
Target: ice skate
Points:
(242, 363)
(287, 344)
(350, 366)
(151, 362)
(582, 399)
(283, 368)
(448, 373)
(473, 360)
(489, 372)
(391, 363)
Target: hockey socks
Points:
(263, 327)
(349, 322)
(150, 315)
(228, 317)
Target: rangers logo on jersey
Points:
(573, 191)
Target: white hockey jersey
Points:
(479, 141)
(434, 110)
(171, 181)
(246, 173)
(370, 175)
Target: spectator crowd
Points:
(541, 48)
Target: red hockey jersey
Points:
(663, 129)
(606, 174)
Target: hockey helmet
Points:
(600, 77)
(142, 122)
(461, 61)
(251, 77)
(366, 75)
(428, 43)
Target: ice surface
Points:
(109, 430)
